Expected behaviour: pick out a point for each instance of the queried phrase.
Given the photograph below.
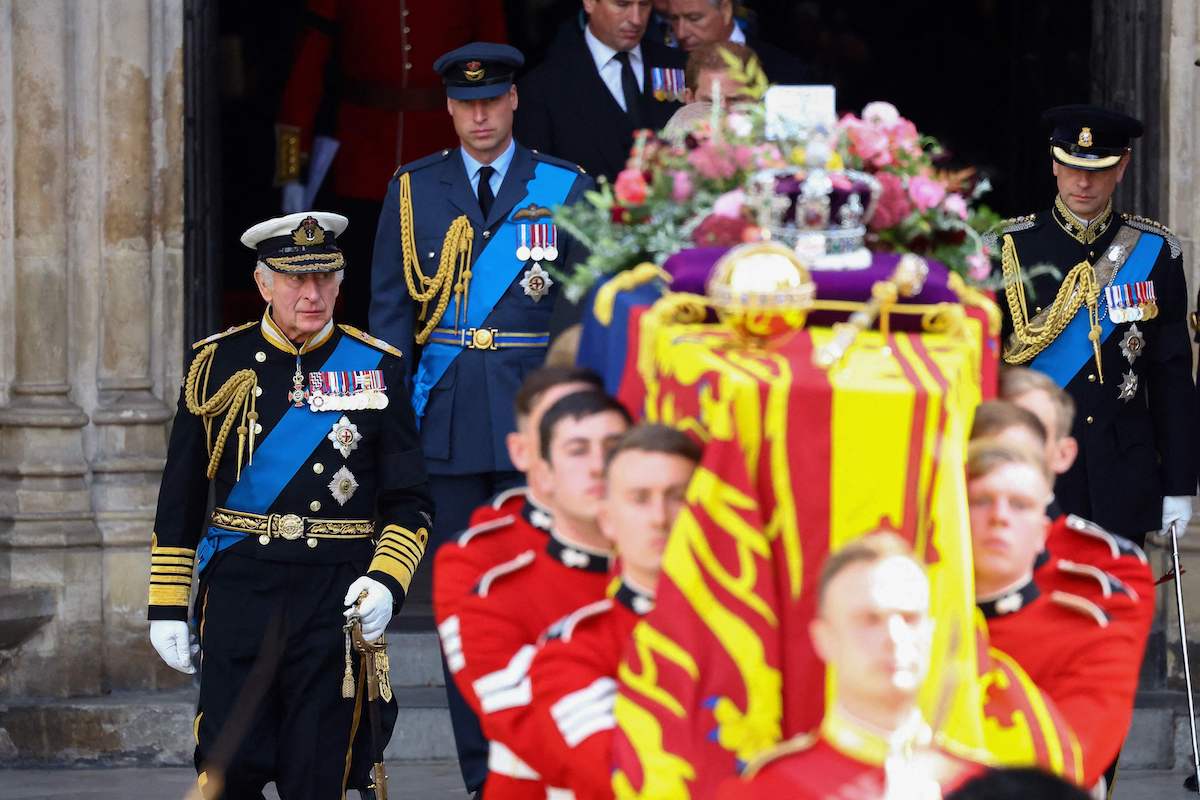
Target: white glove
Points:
(375, 610)
(293, 197)
(171, 639)
(1179, 511)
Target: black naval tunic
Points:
(281, 577)
(1137, 430)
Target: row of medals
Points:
(1144, 307)
(372, 399)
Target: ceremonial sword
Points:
(1193, 781)
(375, 668)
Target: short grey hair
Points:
(268, 274)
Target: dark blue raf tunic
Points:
(466, 373)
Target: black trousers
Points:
(300, 731)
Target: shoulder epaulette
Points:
(223, 334)
(1117, 545)
(374, 341)
(508, 494)
(1108, 583)
(558, 162)
(432, 158)
(1153, 226)
(514, 564)
(797, 744)
(470, 533)
(564, 627)
(991, 239)
(1080, 605)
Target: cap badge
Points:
(308, 233)
(473, 71)
(1085, 138)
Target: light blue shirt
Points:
(501, 165)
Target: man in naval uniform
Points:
(461, 278)
(304, 432)
(1110, 329)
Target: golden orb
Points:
(761, 290)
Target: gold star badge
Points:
(1085, 138)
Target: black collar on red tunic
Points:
(574, 557)
(537, 516)
(636, 600)
(1010, 602)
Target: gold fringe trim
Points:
(235, 399)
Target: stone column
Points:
(91, 220)
(129, 190)
(47, 531)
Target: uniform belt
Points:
(374, 94)
(503, 761)
(488, 338)
(292, 526)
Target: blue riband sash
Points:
(491, 275)
(283, 452)
(1067, 354)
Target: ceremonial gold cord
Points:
(1079, 287)
(235, 399)
(455, 258)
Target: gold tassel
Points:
(348, 675)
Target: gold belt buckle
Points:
(482, 338)
(290, 526)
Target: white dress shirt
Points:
(500, 165)
(610, 69)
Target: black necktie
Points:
(485, 190)
(629, 87)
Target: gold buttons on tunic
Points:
(1091, 378)
(260, 356)
(312, 542)
(318, 468)
(258, 391)
(315, 505)
(264, 539)
(257, 428)
(1090, 420)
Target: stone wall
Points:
(91, 268)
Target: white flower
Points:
(880, 113)
(740, 124)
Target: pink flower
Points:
(713, 161)
(956, 205)
(719, 231)
(631, 187)
(870, 144)
(903, 136)
(926, 193)
(730, 204)
(893, 205)
(979, 266)
(880, 113)
(681, 186)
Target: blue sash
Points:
(491, 275)
(281, 454)
(1064, 357)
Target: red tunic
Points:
(500, 625)
(1076, 547)
(574, 677)
(497, 532)
(1085, 651)
(846, 762)
(391, 104)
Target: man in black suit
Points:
(598, 85)
(699, 22)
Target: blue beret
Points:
(479, 70)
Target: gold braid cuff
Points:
(235, 399)
(455, 259)
(1030, 337)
